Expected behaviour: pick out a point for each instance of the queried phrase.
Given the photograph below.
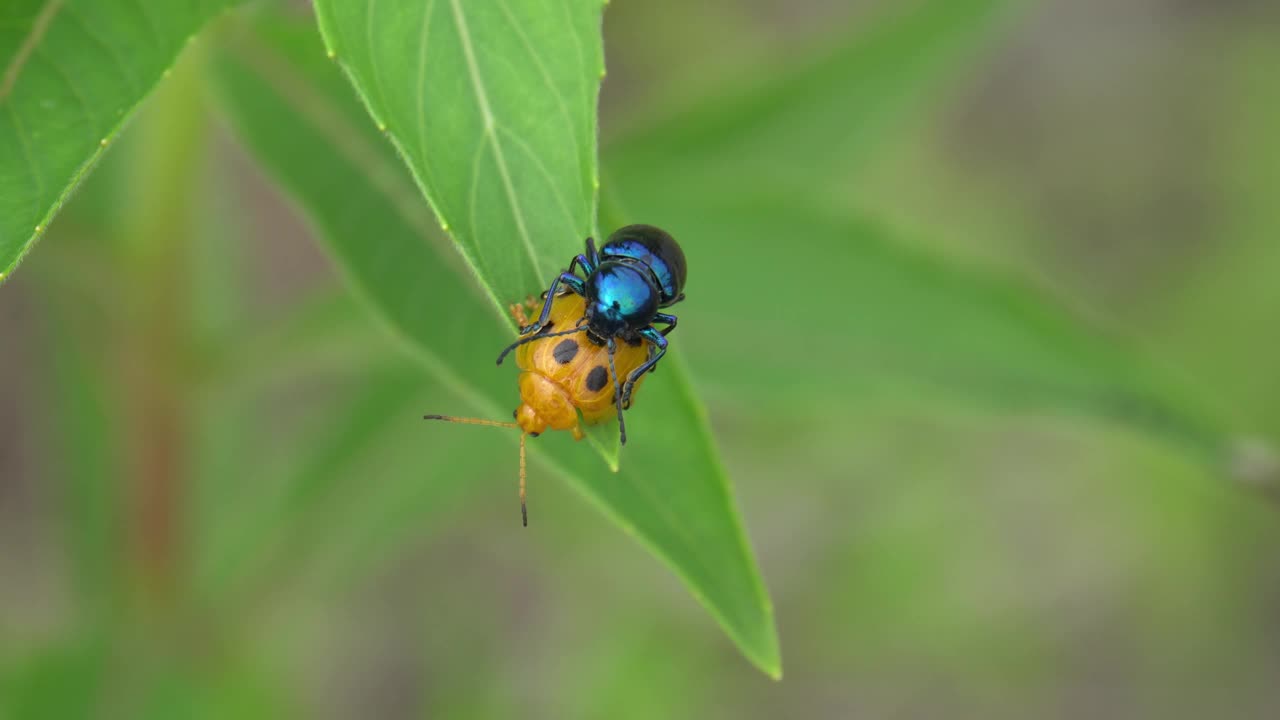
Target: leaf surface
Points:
(809, 125)
(71, 73)
(293, 109)
(830, 306)
(493, 107)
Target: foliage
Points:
(230, 458)
(74, 70)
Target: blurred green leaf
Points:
(89, 465)
(406, 490)
(327, 334)
(71, 72)
(878, 317)
(802, 127)
(751, 182)
(232, 689)
(64, 680)
(295, 112)
(383, 400)
(1213, 321)
(493, 106)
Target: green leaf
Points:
(804, 127)
(88, 465)
(493, 107)
(743, 176)
(877, 316)
(300, 119)
(287, 511)
(58, 681)
(71, 73)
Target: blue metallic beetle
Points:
(639, 270)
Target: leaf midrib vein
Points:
(490, 135)
(550, 83)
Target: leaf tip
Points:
(769, 657)
(758, 642)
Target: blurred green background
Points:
(931, 551)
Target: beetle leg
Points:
(530, 338)
(573, 282)
(584, 261)
(670, 321)
(659, 342)
(617, 394)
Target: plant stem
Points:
(158, 218)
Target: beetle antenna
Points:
(537, 336)
(524, 512)
(471, 421)
(617, 392)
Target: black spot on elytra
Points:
(565, 350)
(597, 378)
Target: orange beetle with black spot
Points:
(567, 378)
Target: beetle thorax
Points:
(621, 299)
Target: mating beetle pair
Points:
(639, 270)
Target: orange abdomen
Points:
(570, 374)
